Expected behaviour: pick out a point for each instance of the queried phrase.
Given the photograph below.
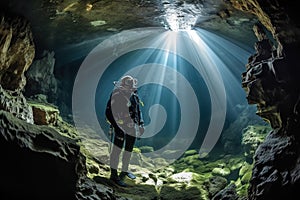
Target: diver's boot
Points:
(128, 174)
(115, 178)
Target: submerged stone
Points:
(221, 171)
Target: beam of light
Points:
(150, 73)
(230, 59)
(181, 17)
(195, 46)
(227, 58)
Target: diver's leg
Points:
(129, 143)
(115, 156)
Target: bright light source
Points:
(182, 17)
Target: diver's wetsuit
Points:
(127, 114)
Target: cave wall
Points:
(271, 82)
(41, 157)
(17, 51)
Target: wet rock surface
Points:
(15, 103)
(36, 158)
(72, 22)
(272, 83)
(17, 51)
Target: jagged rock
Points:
(253, 136)
(38, 162)
(40, 77)
(276, 173)
(91, 190)
(262, 84)
(275, 17)
(214, 185)
(229, 193)
(17, 51)
(273, 84)
(15, 103)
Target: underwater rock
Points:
(228, 193)
(271, 80)
(276, 172)
(44, 114)
(185, 177)
(146, 149)
(245, 169)
(40, 77)
(214, 185)
(38, 162)
(15, 103)
(95, 149)
(273, 84)
(221, 171)
(190, 152)
(17, 51)
(90, 189)
(171, 193)
(253, 136)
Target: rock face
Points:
(276, 170)
(40, 77)
(15, 103)
(35, 160)
(17, 51)
(271, 82)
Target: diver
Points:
(125, 117)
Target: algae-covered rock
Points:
(228, 193)
(192, 160)
(221, 171)
(246, 177)
(190, 152)
(146, 149)
(252, 137)
(215, 184)
(242, 191)
(236, 163)
(245, 168)
(185, 177)
(186, 193)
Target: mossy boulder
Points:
(224, 171)
(146, 149)
(190, 153)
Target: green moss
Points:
(246, 177)
(179, 192)
(146, 149)
(236, 163)
(243, 190)
(43, 106)
(245, 169)
(190, 153)
(221, 171)
(136, 150)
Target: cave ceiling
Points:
(57, 23)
